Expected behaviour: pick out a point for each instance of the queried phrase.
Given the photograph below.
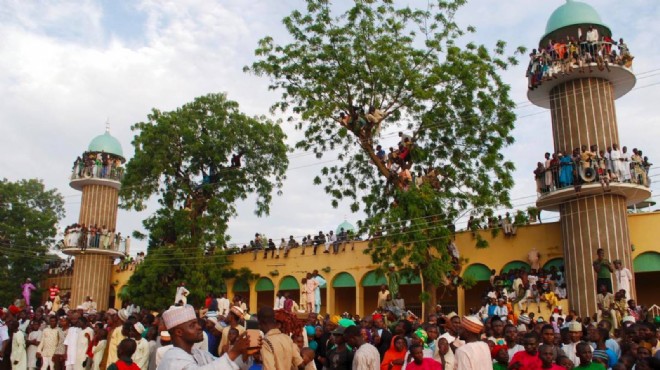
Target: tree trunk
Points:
(429, 306)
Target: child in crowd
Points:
(546, 353)
(501, 357)
(585, 354)
(125, 351)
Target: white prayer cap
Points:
(123, 315)
(178, 315)
(139, 327)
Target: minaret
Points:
(582, 108)
(97, 173)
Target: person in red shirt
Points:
(125, 351)
(529, 358)
(420, 362)
(547, 353)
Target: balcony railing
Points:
(98, 172)
(570, 173)
(83, 239)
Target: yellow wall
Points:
(545, 237)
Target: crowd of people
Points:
(561, 57)
(226, 336)
(93, 236)
(98, 165)
(329, 242)
(591, 165)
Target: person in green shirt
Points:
(585, 354)
(501, 357)
(603, 269)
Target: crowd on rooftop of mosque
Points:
(576, 54)
(504, 333)
(591, 165)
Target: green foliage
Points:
(409, 64)
(28, 217)
(187, 159)
(154, 283)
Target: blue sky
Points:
(67, 66)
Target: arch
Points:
(123, 293)
(264, 284)
(343, 280)
(478, 272)
(516, 265)
(555, 262)
(647, 262)
(289, 283)
(410, 280)
(241, 286)
(373, 278)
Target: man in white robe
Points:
(185, 331)
(623, 278)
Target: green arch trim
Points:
(372, 278)
(241, 286)
(647, 262)
(344, 280)
(264, 284)
(407, 280)
(478, 272)
(289, 283)
(556, 262)
(516, 265)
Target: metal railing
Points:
(83, 239)
(572, 173)
(108, 172)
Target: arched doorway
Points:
(480, 274)
(517, 265)
(410, 287)
(265, 292)
(241, 288)
(554, 264)
(371, 283)
(344, 289)
(111, 298)
(647, 275)
(290, 284)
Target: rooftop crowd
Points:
(592, 165)
(574, 54)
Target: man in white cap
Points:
(575, 334)
(141, 355)
(474, 354)
(233, 318)
(185, 331)
(116, 335)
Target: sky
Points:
(68, 67)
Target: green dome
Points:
(346, 226)
(106, 143)
(573, 13)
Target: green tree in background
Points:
(28, 225)
(351, 80)
(198, 160)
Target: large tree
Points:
(351, 79)
(199, 160)
(28, 225)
